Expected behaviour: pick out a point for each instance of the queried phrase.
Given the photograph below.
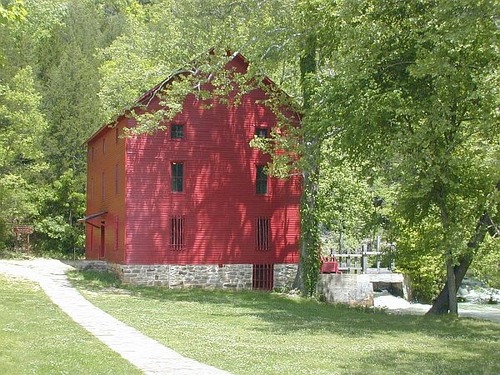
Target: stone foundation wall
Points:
(284, 275)
(94, 265)
(227, 276)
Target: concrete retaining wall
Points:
(357, 289)
(350, 289)
(396, 283)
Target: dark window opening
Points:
(262, 132)
(263, 276)
(261, 180)
(177, 131)
(177, 177)
(177, 224)
(103, 241)
(263, 234)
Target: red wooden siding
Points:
(106, 160)
(214, 219)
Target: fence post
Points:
(364, 259)
(348, 260)
(378, 253)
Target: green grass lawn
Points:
(37, 338)
(265, 333)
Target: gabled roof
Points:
(149, 95)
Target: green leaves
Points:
(21, 124)
(412, 93)
(21, 152)
(401, 101)
(60, 205)
(15, 11)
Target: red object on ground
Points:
(329, 266)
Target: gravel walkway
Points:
(147, 354)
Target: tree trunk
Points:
(308, 236)
(441, 303)
(451, 285)
(298, 282)
(448, 254)
(308, 271)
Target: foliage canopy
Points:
(399, 104)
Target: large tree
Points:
(413, 89)
(53, 57)
(22, 160)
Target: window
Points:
(263, 234)
(176, 131)
(177, 177)
(263, 275)
(102, 245)
(91, 242)
(177, 224)
(261, 180)
(261, 132)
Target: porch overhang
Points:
(87, 218)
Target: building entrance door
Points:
(103, 242)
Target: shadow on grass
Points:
(342, 340)
(94, 280)
(16, 255)
(285, 314)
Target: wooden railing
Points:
(357, 261)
